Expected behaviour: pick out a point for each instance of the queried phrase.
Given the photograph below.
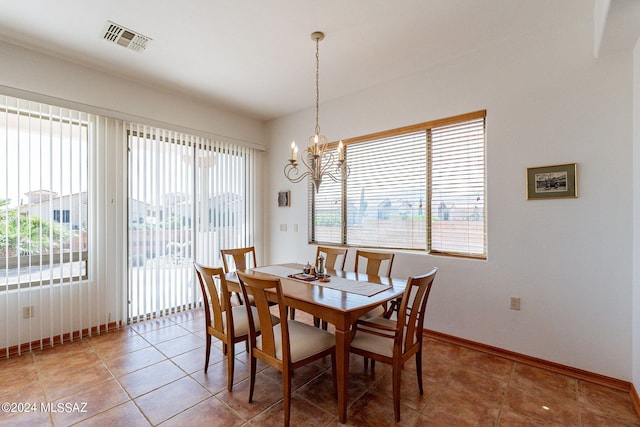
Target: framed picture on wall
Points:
(552, 182)
(284, 198)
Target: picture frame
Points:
(552, 182)
(284, 198)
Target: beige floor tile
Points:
(126, 414)
(152, 373)
(171, 399)
(607, 402)
(150, 378)
(210, 412)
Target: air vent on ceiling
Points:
(125, 37)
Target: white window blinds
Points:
(188, 197)
(421, 187)
(99, 220)
(387, 192)
(43, 223)
(326, 210)
(458, 188)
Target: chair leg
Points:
(207, 353)
(317, 322)
(419, 370)
(230, 366)
(393, 307)
(286, 380)
(252, 378)
(366, 364)
(397, 372)
(293, 313)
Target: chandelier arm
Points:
(341, 170)
(307, 159)
(292, 173)
(327, 162)
(333, 177)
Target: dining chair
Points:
(395, 341)
(375, 261)
(238, 259)
(229, 324)
(285, 346)
(242, 258)
(334, 259)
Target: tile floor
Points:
(151, 374)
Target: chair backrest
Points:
(374, 262)
(411, 314)
(259, 288)
(243, 258)
(331, 260)
(216, 302)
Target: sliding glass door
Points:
(101, 220)
(188, 198)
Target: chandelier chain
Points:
(317, 85)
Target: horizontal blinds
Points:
(386, 192)
(326, 210)
(418, 187)
(458, 188)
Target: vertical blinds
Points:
(100, 220)
(189, 197)
(43, 224)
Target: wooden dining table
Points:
(338, 307)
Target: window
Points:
(66, 215)
(43, 194)
(420, 187)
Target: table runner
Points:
(354, 286)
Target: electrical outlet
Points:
(515, 303)
(28, 312)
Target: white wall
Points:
(548, 102)
(40, 74)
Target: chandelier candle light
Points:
(316, 158)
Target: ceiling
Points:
(257, 58)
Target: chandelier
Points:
(316, 158)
